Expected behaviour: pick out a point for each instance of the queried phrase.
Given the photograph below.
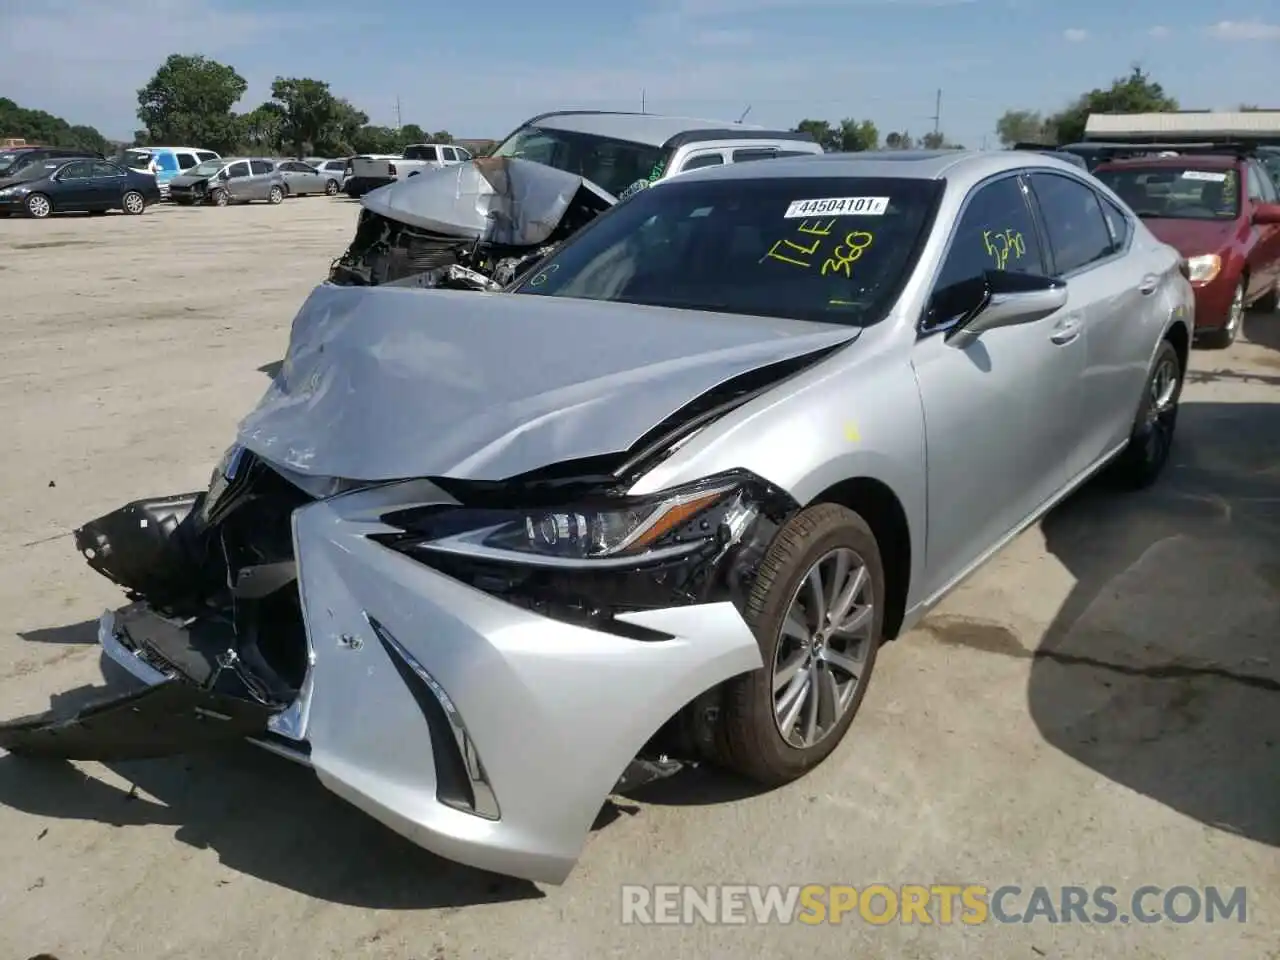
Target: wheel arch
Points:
(1178, 335)
(884, 513)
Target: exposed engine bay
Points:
(479, 225)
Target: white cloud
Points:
(1245, 30)
(1159, 32)
(1075, 35)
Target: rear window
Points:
(829, 250)
(1176, 193)
(420, 153)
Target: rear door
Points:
(261, 178)
(1113, 295)
(109, 182)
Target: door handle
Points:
(1148, 285)
(1066, 331)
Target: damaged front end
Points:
(214, 629)
(479, 225)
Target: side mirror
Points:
(1000, 299)
(1266, 214)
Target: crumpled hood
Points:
(187, 180)
(387, 383)
(501, 200)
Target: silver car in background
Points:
(229, 180)
(478, 558)
(301, 179)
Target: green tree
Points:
(857, 135)
(264, 128)
(822, 132)
(412, 133)
(899, 141)
(373, 139)
(37, 126)
(189, 101)
(442, 136)
(308, 110)
(933, 141)
(340, 136)
(1024, 126)
(1135, 93)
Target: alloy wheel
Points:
(1162, 410)
(1236, 316)
(38, 206)
(133, 203)
(821, 654)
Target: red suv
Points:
(1222, 213)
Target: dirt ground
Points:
(1098, 706)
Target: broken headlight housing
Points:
(586, 560)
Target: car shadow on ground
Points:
(1263, 329)
(264, 816)
(1161, 670)
(272, 369)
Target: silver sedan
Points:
(301, 179)
(476, 556)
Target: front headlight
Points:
(1204, 268)
(607, 532)
(8, 191)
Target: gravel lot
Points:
(1098, 706)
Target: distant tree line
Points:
(852, 136)
(36, 126)
(1133, 93)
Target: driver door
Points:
(1000, 411)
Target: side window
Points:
(463, 154)
(103, 169)
(166, 162)
(1117, 224)
(1078, 234)
(995, 232)
(448, 153)
(186, 161)
(259, 167)
(706, 160)
(206, 155)
(1261, 190)
(755, 153)
(1269, 192)
(237, 170)
(80, 170)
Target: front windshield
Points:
(610, 164)
(827, 250)
(6, 160)
(206, 169)
(1176, 193)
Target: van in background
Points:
(169, 162)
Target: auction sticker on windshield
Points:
(1204, 175)
(838, 207)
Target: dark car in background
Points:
(1222, 213)
(13, 160)
(79, 185)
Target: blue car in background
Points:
(168, 162)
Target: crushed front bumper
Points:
(481, 731)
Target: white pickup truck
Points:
(371, 171)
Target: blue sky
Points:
(478, 69)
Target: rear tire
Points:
(802, 649)
(133, 203)
(1147, 453)
(330, 187)
(276, 195)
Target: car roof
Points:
(654, 130)
(962, 165)
(1208, 161)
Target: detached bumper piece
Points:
(196, 697)
(171, 718)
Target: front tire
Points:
(133, 203)
(817, 611)
(220, 198)
(276, 195)
(330, 187)
(38, 206)
(1225, 337)
(1147, 453)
